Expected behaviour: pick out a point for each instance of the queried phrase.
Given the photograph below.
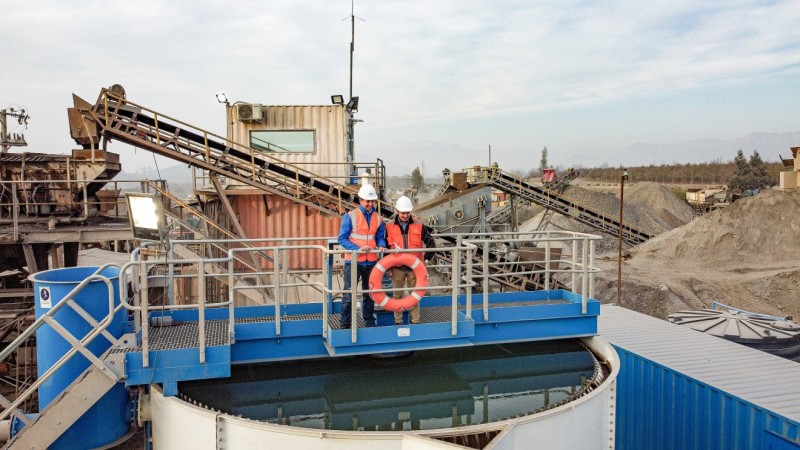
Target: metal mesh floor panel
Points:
(184, 335)
(284, 318)
(334, 319)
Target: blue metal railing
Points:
(281, 279)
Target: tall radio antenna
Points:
(352, 41)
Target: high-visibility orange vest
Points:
(394, 236)
(363, 233)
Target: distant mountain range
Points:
(174, 174)
(400, 159)
(769, 146)
(439, 155)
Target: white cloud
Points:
(513, 72)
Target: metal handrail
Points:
(463, 280)
(584, 267)
(99, 328)
(20, 186)
(143, 308)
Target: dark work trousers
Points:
(367, 305)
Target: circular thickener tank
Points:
(423, 390)
(506, 396)
(50, 288)
(779, 337)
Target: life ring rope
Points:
(396, 260)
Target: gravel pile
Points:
(649, 207)
(758, 230)
(659, 200)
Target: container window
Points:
(283, 141)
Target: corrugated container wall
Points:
(285, 219)
(679, 388)
(271, 216)
(329, 123)
(660, 408)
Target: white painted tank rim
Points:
(604, 352)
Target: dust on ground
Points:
(746, 255)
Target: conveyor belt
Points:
(563, 205)
(138, 126)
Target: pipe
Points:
(29, 206)
(5, 430)
(42, 219)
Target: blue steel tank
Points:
(107, 421)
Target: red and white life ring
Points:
(395, 260)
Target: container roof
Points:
(765, 380)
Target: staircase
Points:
(67, 408)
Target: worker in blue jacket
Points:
(363, 230)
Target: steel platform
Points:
(300, 331)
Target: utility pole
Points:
(352, 103)
(15, 140)
(622, 179)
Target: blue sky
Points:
(438, 81)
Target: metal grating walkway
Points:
(182, 336)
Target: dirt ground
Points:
(746, 255)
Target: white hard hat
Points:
(367, 192)
(404, 204)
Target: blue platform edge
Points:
(300, 337)
(168, 367)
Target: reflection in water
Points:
(424, 390)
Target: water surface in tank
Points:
(430, 389)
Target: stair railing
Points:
(78, 344)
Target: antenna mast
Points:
(352, 41)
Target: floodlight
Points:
(352, 105)
(337, 99)
(146, 215)
(222, 98)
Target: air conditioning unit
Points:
(249, 112)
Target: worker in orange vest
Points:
(406, 232)
(363, 230)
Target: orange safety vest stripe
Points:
(394, 237)
(363, 233)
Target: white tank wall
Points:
(587, 423)
(180, 425)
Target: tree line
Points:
(742, 173)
